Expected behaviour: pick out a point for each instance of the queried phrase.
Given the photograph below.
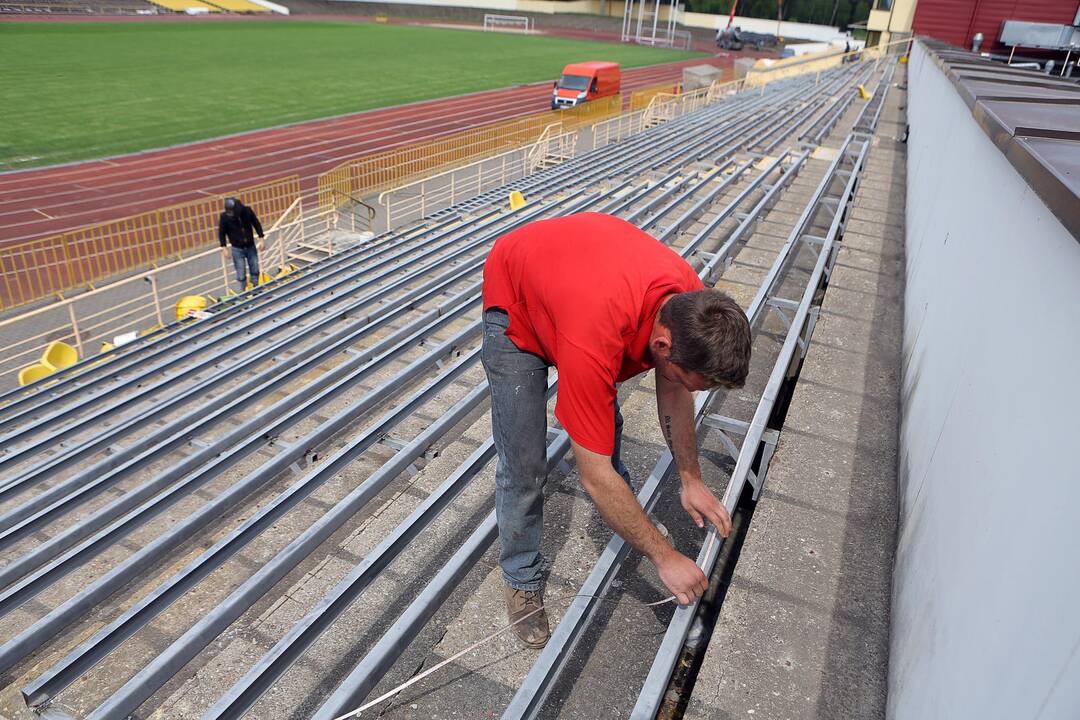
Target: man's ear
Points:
(660, 342)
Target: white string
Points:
(483, 641)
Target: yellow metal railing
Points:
(52, 265)
(640, 99)
(373, 173)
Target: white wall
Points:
(986, 610)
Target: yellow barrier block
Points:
(517, 200)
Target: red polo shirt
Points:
(583, 292)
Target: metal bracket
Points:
(727, 426)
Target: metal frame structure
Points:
(416, 290)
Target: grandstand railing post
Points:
(75, 330)
(157, 298)
(224, 272)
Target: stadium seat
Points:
(184, 5)
(285, 270)
(59, 355)
(106, 347)
(264, 278)
(189, 303)
(33, 373)
(238, 6)
(151, 329)
(517, 200)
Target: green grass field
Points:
(84, 90)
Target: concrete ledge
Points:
(804, 630)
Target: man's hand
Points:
(261, 246)
(700, 503)
(682, 577)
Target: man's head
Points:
(701, 340)
(230, 205)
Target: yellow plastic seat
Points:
(106, 347)
(33, 373)
(864, 94)
(285, 270)
(151, 329)
(188, 303)
(264, 278)
(517, 200)
(59, 355)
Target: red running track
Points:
(45, 201)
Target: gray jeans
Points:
(518, 383)
(246, 262)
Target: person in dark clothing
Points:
(239, 225)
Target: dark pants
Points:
(518, 383)
(246, 262)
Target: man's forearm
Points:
(675, 406)
(621, 511)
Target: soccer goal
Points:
(508, 23)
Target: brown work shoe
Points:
(533, 630)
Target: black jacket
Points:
(238, 227)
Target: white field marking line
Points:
(485, 640)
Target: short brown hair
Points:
(710, 335)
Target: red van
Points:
(581, 82)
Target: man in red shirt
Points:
(602, 301)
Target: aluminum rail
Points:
(652, 694)
(721, 254)
(243, 694)
(46, 628)
(16, 522)
(393, 642)
(63, 673)
(19, 577)
(136, 690)
(841, 108)
(553, 658)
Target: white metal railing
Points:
(420, 198)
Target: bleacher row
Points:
(128, 7)
(138, 493)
